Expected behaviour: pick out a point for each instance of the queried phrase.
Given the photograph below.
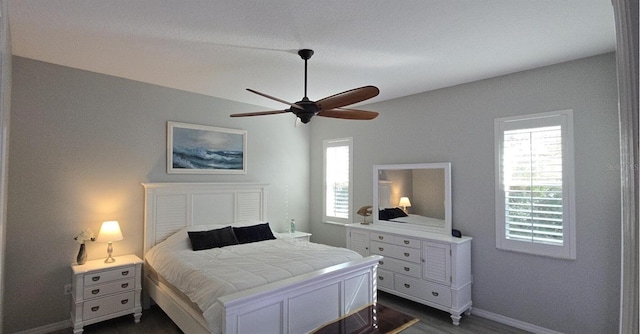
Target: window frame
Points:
(563, 118)
(347, 141)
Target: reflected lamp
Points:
(404, 203)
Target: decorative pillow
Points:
(391, 213)
(221, 237)
(247, 234)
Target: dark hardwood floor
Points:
(431, 321)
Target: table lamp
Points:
(109, 232)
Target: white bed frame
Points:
(294, 305)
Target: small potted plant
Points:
(84, 236)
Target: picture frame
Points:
(202, 149)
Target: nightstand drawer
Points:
(109, 275)
(100, 307)
(109, 288)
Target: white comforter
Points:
(206, 275)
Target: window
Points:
(535, 211)
(338, 172)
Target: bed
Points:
(298, 303)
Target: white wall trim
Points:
(512, 322)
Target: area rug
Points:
(372, 319)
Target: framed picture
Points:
(201, 149)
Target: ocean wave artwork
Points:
(198, 148)
(203, 158)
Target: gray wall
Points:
(456, 125)
(81, 143)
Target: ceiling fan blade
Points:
(260, 113)
(275, 99)
(348, 97)
(348, 114)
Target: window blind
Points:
(337, 181)
(532, 178)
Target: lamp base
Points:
(110, 258)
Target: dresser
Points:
(428, 268)
(102, 291)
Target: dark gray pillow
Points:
(221, 237)
(253, 233)
(391, 213)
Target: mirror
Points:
(416, 196)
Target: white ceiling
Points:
(219, 48)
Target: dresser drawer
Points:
(385, 279)
(375, 236)
(404, 267)
(96, 291)
(396, 240)
(438, 294)
(395, 251)
(109, 275)
(100, 307)
(428, 291)
(406, 242)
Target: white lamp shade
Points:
(404, 202)
(110, 231)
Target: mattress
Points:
(204, 276)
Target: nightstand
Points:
(102, 291)
(297, 235)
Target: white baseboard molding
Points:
(48, 328)
(512, 322)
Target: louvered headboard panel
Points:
(172, 206)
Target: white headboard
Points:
(169, 207)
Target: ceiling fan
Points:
(331, 106)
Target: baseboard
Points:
(512, 322)
(48, 328)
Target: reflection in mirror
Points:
(413, 196)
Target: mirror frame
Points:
(447, 195)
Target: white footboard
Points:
(303, 303)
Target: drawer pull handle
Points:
(124, 285)
(406, 242)
(95, 309)
(125, 273)
(406, 269)
(407, 254)
(407, 285)
(95, 278)
(381, 249)
(95, 291)
(124, 301)
(380, 237)
(435, 294)
(381, 263)
(381, 278)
